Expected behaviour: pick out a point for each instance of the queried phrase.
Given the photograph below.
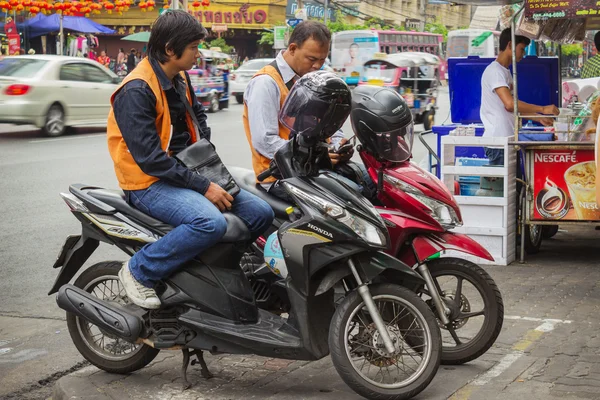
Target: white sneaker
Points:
(139, 294)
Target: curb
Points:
(75, 388)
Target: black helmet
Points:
(316, 107)
(382, 122)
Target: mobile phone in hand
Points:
(345, 148)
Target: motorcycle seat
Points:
(246, 179)
(236, 228)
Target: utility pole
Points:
(326, 12)
(424, 13)
(175, 4)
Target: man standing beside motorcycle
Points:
(148, 124)
(307, 51)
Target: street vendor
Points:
(497, 104)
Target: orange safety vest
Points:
(260, 163)
(129, 174)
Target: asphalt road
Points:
(34, 342)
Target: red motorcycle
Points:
(420, 212)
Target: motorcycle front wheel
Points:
(358, 352)
(476, 308)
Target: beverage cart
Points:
(558, 185)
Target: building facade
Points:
(239, 23)
(412, 14)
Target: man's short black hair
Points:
(310, 30)
(597, 40)
(173, 30)
(505, 38)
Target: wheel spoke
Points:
(454, 335)
(459, 283)
(471, 314)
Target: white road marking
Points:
(555, 321)
(499, 368)
(67, 138)
(509, 359)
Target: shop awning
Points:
(40, 25)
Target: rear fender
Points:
(425, 246)
(75, 252)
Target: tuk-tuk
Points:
(211, 80)
(413, 75)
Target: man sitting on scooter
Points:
(266, 93)
(148, 124)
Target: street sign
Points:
(279, 39)
(293, 22)
(219, 28)
(301, 14)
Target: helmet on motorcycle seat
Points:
(382, 122)
(316, 107)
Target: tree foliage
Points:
(220, 42)
(436, 27)
(572, 50)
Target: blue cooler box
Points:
(539, 83)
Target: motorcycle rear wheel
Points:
(352, 333)
(105, 351)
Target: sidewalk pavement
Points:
(549, 348)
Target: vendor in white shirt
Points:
(497, 103)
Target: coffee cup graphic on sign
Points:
(581, 181)
(552, 202)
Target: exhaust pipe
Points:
(110, 317)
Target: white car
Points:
(240, 77)
(55, 92)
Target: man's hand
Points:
(546, 121)
(337, 158)
(550, 110)
(219, 197)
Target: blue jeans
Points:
(198, 224)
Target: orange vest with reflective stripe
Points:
(260, 163)
(129, 174)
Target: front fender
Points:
(370, 265)
(425, 246)
(373, 264)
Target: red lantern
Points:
(205, 3)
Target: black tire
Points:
(239, 98)
(548, 231)
(533, 239)
(533, 233)
(428, 119)
(493, 305)
(143, 355)
(342, 363)
(54, 124)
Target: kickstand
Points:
(200, 360)
(186, 361)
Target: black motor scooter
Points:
(383, 339)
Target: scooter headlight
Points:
(364, 229)
(442, 213)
